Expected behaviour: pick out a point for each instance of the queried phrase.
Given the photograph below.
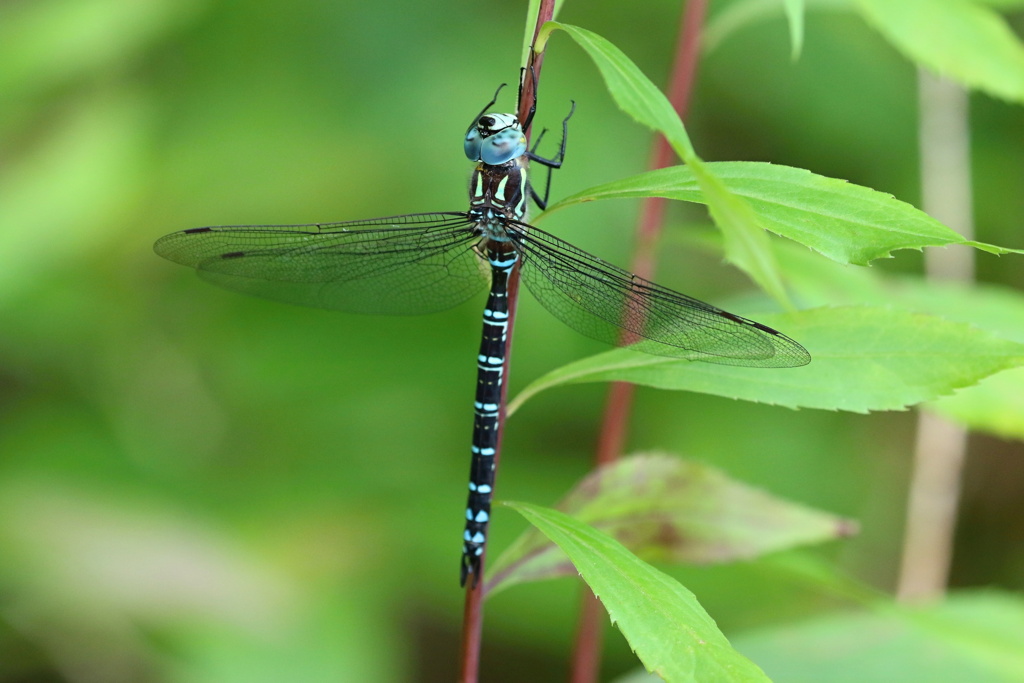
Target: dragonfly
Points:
(428, 262)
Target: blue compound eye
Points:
(504, 146)
(472, 144)
(495, 139)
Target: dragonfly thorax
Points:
(490, 223)
(495, 139)
(498, 194)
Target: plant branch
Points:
(472, 617)
(941, 445)
(618, 406)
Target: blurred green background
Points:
(200, 487)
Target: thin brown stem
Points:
(472, 616)
(534, 63)
(472, 631)
(618, 407)
(941, 445)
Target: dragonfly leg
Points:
(555, 162)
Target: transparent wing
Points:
(400, 265)
(602, 301)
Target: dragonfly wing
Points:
(399, 265)
(612, 305)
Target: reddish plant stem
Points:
(618, 406)
(472, 615)
(472, 631)
(535, 61)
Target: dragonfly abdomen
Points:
(486, 409)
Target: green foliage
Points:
(632, 91)
(746, 243)
(795, 18)
(956, 38)
(965, 40)
(995, 405)
(665, 625)
(199, 487)
(970, 637)
(975, 636)
(846, 222)
(665, 509)
(863, 359)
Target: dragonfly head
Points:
(495, 139)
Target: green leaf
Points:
(846, 222)
(1002, 4)
(862, 359)
(739, 14)
(532, 10)
(663, 508)
(999, 310)
(995, 405)
(638, 676)
(966, 42)
(632, 91)
(662, 621)
(815, 573)
(968, 637)
(746, 244)
(734, 16)
(795, 18)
